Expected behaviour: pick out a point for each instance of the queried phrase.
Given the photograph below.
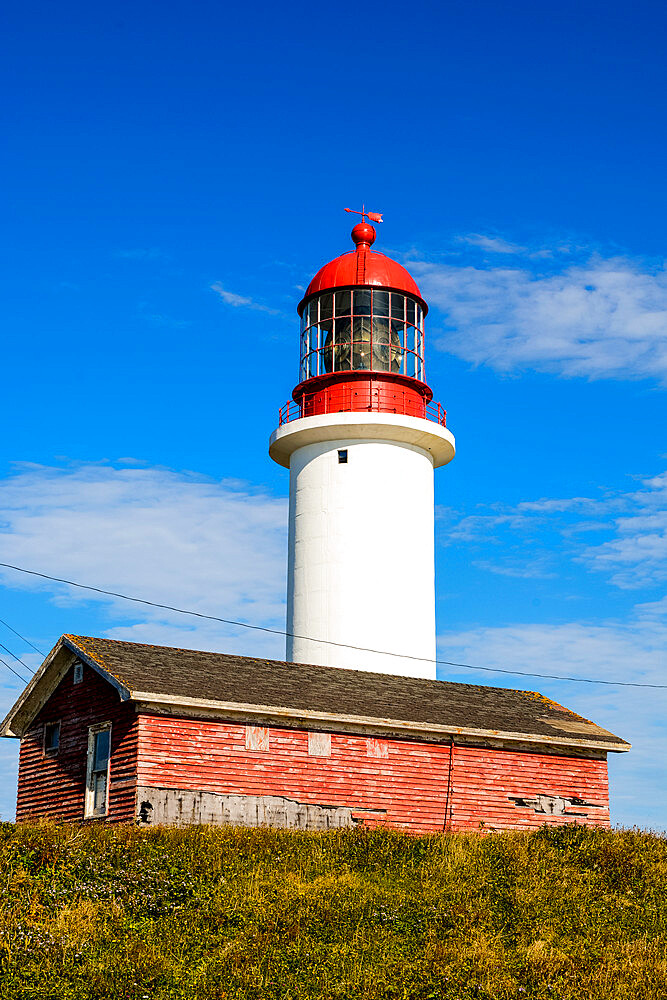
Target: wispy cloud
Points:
(634, 556)
(491, 244)
(170, 537)
(637, 555)
(530, 568)
(240, 301)
(598, 317)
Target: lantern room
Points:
(362, 337)
(362, 329)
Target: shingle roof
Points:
(352, 694)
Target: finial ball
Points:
(363, 234)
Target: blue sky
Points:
(176, 174)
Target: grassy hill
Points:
(221, 913)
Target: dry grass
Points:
(227, 913)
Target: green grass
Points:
(224, 913)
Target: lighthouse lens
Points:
(337, 352)
(380, 331)
(361, 348)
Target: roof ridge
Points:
(202, 679)
(318, 666)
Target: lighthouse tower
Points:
(361, 439)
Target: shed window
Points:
(51, 737)
(97, 771)
(78, 672)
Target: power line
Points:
(17, 658)
(22, 637)
(17, 674)
(328, 642)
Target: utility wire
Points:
(22, 637)
(328, 642)
(20, 676)
(17, 658)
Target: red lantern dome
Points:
(362, 335)
(363, 266)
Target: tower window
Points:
(342, 456)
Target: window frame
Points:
(89, 801)
(51, 751)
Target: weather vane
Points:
(373, 216)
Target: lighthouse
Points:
(361, 438)
(197, 737)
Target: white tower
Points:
(361, 442)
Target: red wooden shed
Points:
(123, 732)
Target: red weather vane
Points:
(373, 216)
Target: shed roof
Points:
(229, 685)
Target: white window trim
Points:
(88, 812)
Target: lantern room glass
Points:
(362, 329)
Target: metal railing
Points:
(309, 406)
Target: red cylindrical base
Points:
(353, 392)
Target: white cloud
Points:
(172, 538)
(530, 568)
(635, 556)
(601, 318)
(232, 299)
(492, 244)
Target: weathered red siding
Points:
(414, 786)
(54, 784)
(486, 782)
